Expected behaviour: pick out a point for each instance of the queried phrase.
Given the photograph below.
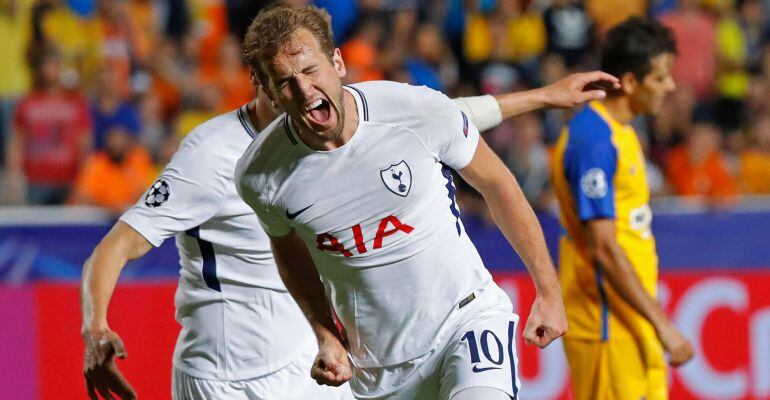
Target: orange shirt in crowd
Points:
(709, 178)
(233, 86)
(361, 61)
(105, 183)
(210, 21)
(755, 172)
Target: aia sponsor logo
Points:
(388, 226)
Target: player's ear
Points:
(339, 64)
(628, 83)
(253, 78)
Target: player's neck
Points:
(619, 108)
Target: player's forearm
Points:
(513, 104)
(301, 279)
(100, 276)
(102, 270)
(623, 278)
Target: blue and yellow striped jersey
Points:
(599, 172)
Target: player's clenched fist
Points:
(99, 368)
(331, 366)
(547, 321)
(678, 347)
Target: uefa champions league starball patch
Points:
(158, 194)
(593, 183)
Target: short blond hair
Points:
(273, 27)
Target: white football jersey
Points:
(378, 215)
(238, 321)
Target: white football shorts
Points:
(479, 352)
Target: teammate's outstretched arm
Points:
(100, 275)
(486, 112)
(298, 272)
(486, 173)
(609, 256)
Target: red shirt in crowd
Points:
(52, 128)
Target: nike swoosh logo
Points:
(477, 369)
(295, 214)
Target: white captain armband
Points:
(484, 111)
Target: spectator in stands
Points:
(154, 129)
(145, 17)
(229, 75)
(168, 78)
(733, 76)
(751, 15)
(15, 79)
(209, 29)
(608, 13)
(110, 108)
(121, 44)
(344, 17)
(116, 176)
(361, 52)
(755, 159)
(528, 159)
(697, 168)
(76, 38)
(205, 105)
(512, 33)
(431, 59)
(50, 136)
(695, 35)
(569, 30)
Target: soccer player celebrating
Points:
(608, 265)
(242, 335)
(353, 187)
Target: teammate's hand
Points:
(547, 321)
(99, 368)
(579, 88)
(678, 347)
(331, 366)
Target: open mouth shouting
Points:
(320, 115)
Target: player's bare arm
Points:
(619, 272)
(102, 345)
(568, 92)
(486, 112)
(331, 366)
(486, 173)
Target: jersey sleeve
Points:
(590, 169)
(445, 130)
(189, 191)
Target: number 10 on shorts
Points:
(486, 355)
(491, 348)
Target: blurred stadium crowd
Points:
(95, 95)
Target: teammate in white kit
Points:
(354, 189)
